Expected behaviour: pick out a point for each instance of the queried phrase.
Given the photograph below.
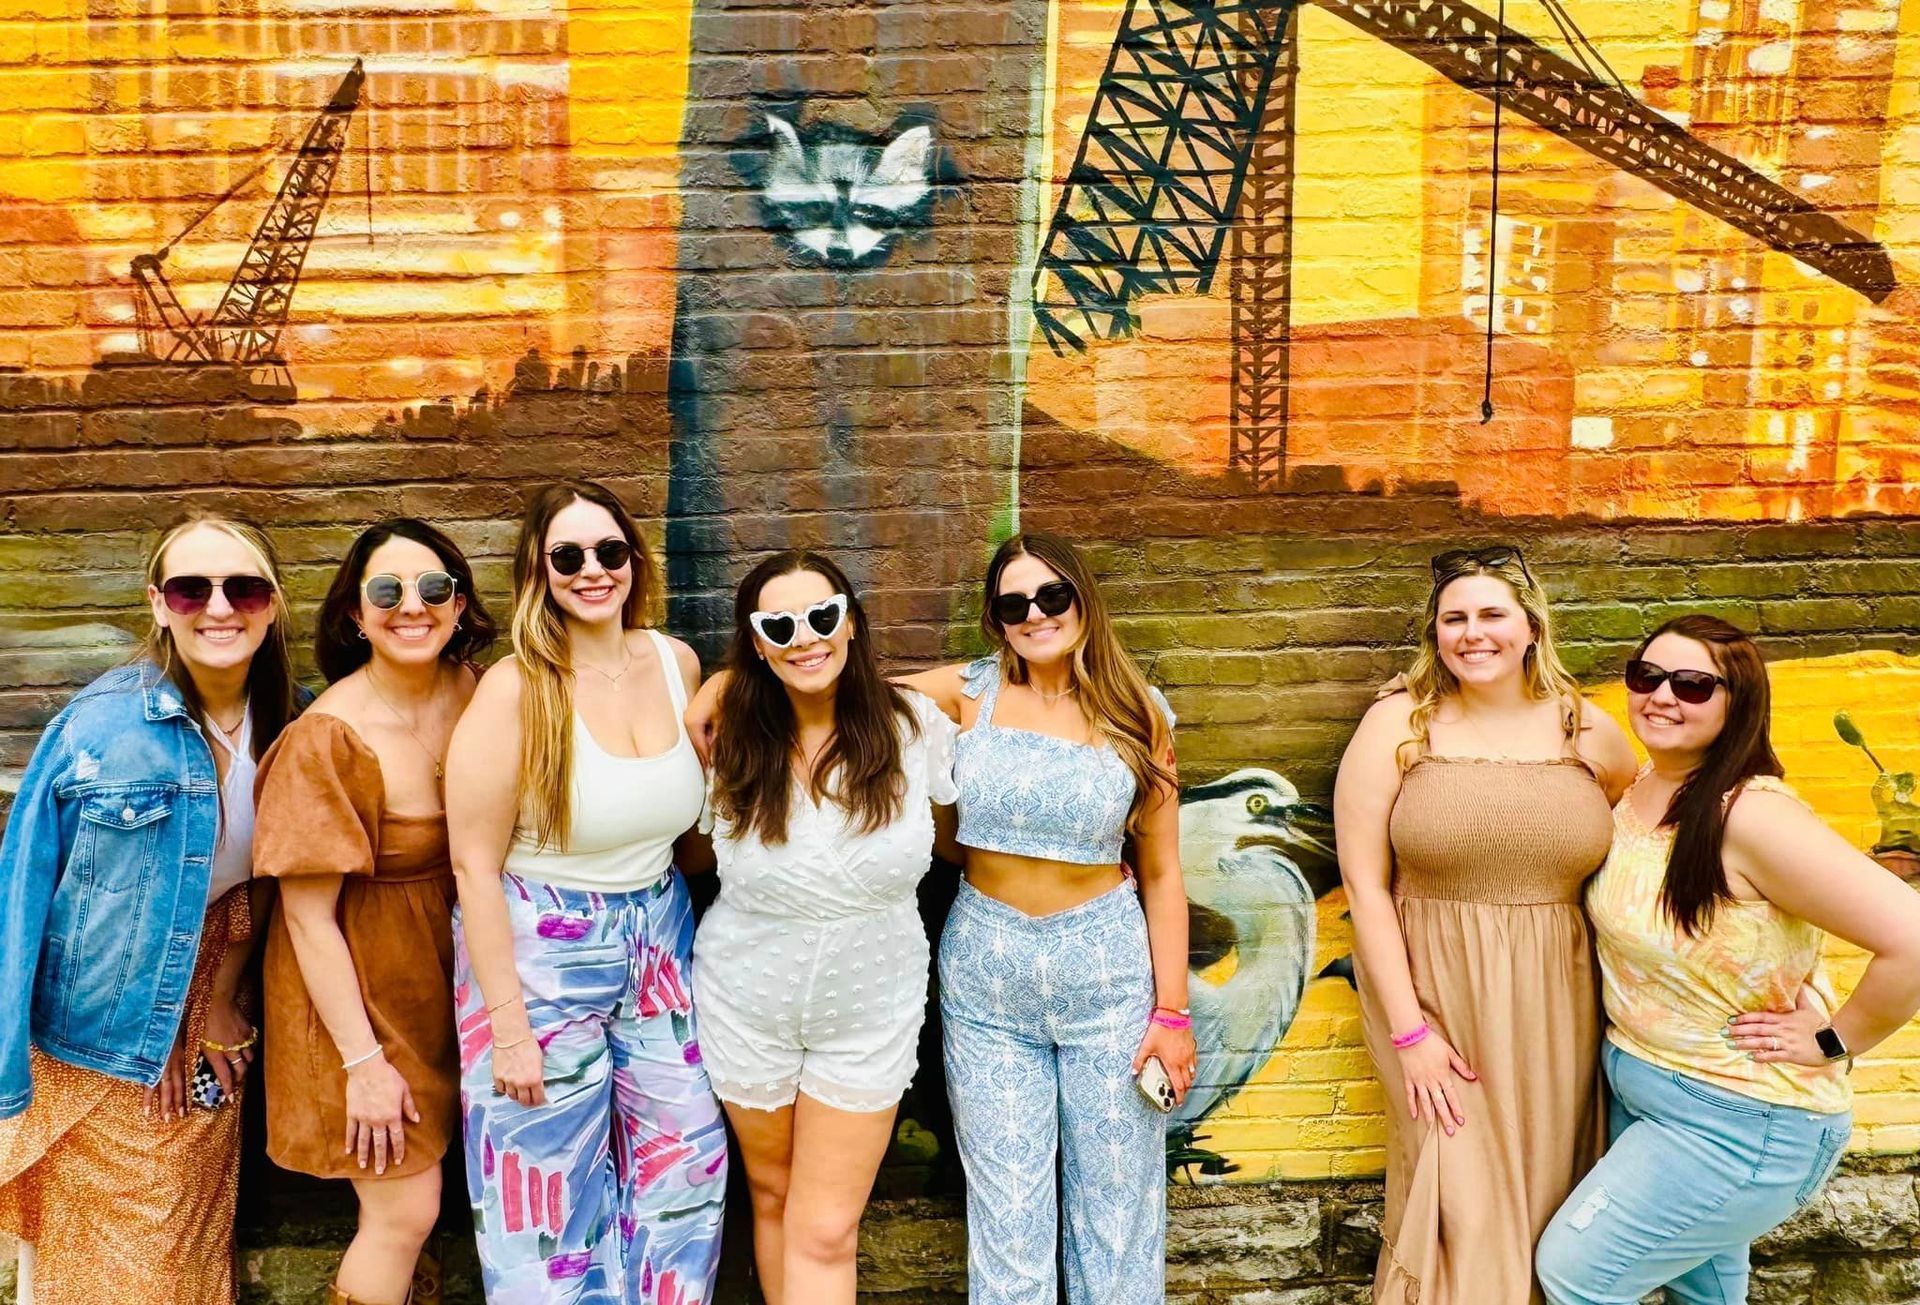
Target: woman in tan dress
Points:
(127, 1035)
(1472, 805)
(362, 1062)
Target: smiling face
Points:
(593, 594)
(1039, 639)
(1664, 724)
(810, 664)
(413, 632)
(217, 637)
(1481, 630)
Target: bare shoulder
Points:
(686, 659)
(943, 684)
(1384, 729)
(1758, 815)
(499, 687)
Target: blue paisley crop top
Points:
(1031, 794)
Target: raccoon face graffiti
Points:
(841, 198)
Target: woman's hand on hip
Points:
(1429, 1068)
(379, 1106)
(1176, 1052)
(1782, 1037)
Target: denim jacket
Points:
(104, 872)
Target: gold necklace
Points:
(615, 677)
(438, 759)
(1050, 698)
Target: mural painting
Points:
(1264, 300)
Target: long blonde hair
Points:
(1113, 693)
(544, 652)
(1430, 683)
(270, 685)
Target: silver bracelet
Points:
(358, 1061)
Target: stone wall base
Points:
(1858, 1243)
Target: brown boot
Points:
(428, 1276)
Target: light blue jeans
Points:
(1042, 1017)
(1693, 1175)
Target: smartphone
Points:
(1155, 1086)
(204, 1090)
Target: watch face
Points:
(1830, 1044)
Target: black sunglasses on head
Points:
(188, 594)
(612, 554)
(1052, 599)
(1688, 686)
(1456, 561)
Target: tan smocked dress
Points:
(1490, 859)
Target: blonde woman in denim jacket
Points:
(124, 923)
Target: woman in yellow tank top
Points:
(1727, 1050)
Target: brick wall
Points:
(594, 251)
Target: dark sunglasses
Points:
(246, 594)
(612, 554)
(1052, 599)
(387, 592)
(781, 628)
(1688, 686)
(1457, 560)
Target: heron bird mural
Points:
(1256, 858)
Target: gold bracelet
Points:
(504, 1004)
(509, 1046)
(208, 1044)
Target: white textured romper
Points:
(811, 968)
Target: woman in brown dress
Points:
(362, 1063)
(1472, 805)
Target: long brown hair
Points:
(270, 685)
(1696, 880)
(1429, 682)
(757, 734)
(545, 652)
(1113, 693)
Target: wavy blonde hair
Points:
(270, 684)
(544, 652)
(1430, 683)
(1113, 693)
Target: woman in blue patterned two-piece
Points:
(1060, 976)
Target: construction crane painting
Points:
(1188, 155)
(244, 327)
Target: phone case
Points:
(205, 1090)
(1155, 1086)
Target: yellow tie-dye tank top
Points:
(1669, 996)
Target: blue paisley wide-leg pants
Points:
(1043, 1016)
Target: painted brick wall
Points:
(770, 270)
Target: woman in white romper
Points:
(828, 784)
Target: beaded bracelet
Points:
(210, 1045)
(1412, 1037)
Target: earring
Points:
(456, 627)
(360, 630)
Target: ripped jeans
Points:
(1693, 1175)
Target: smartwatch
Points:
(1830, 1045)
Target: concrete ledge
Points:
(1858, 1243)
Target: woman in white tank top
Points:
(569, 781)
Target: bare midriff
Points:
(1034, 886)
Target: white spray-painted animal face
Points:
(842, 200)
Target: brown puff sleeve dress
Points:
(322, 811)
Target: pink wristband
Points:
(1172, 1019)
(1412, 1037)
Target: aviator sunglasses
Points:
(781, 628)
(1052, 599)
(1688, 686)
(1456, 560)
(612, 554)
(188, 594)
(387, 592)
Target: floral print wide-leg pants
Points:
(610, 1193)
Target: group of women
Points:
(477, 928)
